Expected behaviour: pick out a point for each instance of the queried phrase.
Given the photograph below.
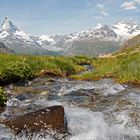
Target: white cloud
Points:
(103, 10)
(128, 5)
(104, 13)
(137, 1)
(101, 6)
(131, 5)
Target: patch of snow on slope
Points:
(46, 38)
(22, 35)
(3, 34)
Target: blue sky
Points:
(66, 16)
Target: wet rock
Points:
(23, 97)
(51, 80)
(22, 89)
(5, 139)
(46, 120)
(123, 102)
(135, 118)
(80, 96)
(2, 109)
(82, 92)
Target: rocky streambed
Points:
(95, 110)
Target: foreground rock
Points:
(46, 120)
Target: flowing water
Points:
(95, 110)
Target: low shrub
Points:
(19, 70)
(3, 97)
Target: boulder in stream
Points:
(45, 120)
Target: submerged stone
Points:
(23, 97)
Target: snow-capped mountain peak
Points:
(7, 25)
(126, 29)
(101, 32)
(130, 22)
(10, 29)
(10, 33)
(98, 26)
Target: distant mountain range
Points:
(101, 39)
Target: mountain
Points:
(98, 40)
(13, 36)
(52, 43)
(65, 43)
(103, 39)
(126, 29)
(19, 41)
(93, 42)
(133, 43)
(4, 49)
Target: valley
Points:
(82, 86)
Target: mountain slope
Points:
(92, 47)
(131, 46)
(4, 49)
(133, 43)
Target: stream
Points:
(95, 110)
